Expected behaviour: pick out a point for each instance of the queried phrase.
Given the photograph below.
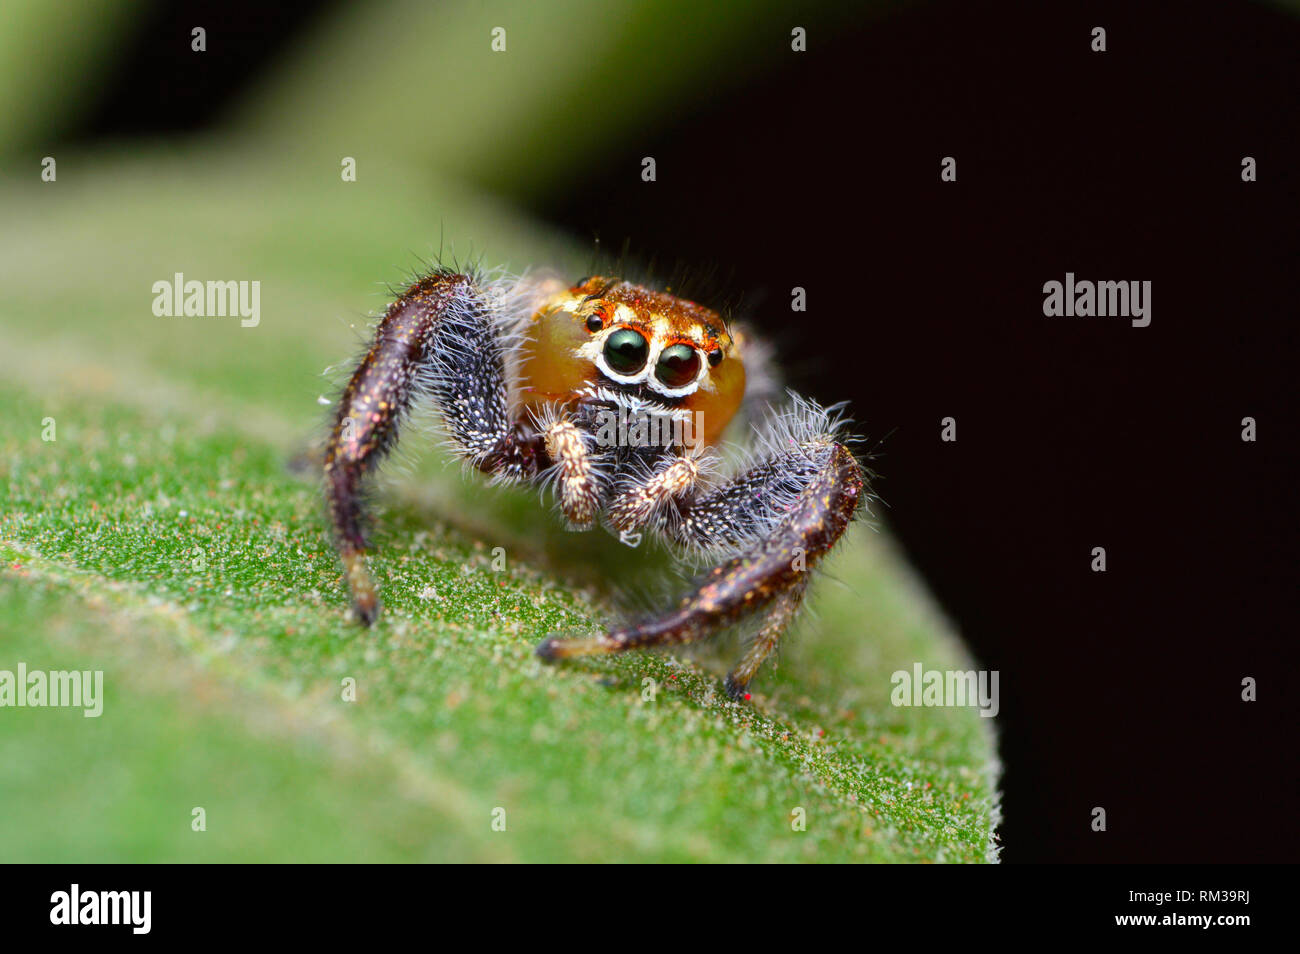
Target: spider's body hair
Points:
(763, 508)
(684, 279)
(473, 351)
(772, 469)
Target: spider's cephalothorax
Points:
(617, 396)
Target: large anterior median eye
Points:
(626, 351)
(678, 366)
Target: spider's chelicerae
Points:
(616, 396)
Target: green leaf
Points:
(169, 537)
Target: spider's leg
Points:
(778, 618)
(818, 486)
(439, 338)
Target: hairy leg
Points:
(771, 573)
(438, 339)
(779, 616)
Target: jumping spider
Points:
(557, 385)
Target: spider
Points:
(615, 396)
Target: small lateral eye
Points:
(595, 322)
(678, 366)
(715, 357)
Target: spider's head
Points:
(639, 336)
(611, 332)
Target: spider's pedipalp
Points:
(641, 502)
(576, 472)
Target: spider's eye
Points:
(595, 322)
(715, 357)
(678, 366)
(626, 351)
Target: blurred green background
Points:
(172, 536)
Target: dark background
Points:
(1121, 689)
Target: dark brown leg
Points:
(438, 340)
(772, 574)
(779, 615)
